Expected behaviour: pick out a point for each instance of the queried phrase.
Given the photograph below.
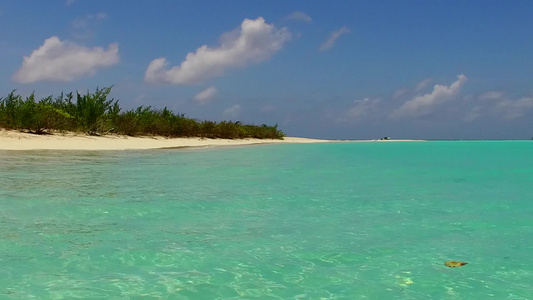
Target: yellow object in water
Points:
(453, 263)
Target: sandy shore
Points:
(14, 140)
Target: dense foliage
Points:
(95, 114)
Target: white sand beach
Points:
(15, 140)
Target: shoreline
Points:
(20, 141)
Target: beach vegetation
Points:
(94, 113)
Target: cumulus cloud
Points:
(233, 111)
(424, 104)
(64, 61)
(330, 41)
(399, 93)
(422, 85)
(496, 104)
(508, 108)
(256, 41)
(483, 105)
(206, 95)
(516, 109)
(299, 16)
(406, 92)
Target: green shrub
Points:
(95, 114)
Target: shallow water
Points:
(316, 221)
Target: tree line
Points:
(95, 114)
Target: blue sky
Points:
(323, 69)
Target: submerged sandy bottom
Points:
(314, 221)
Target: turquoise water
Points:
(318, 221)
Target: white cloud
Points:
(405, 92)
(233, 111)
(514, 109)
(425, 104)
(256, 41)
(330, 42)
(69, 2)
(497, 104)
(64, 61)
(491, 95)
(422, 85)
(299, 16)
(206, 95)
(399, 93)
(474, 113)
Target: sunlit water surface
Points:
(320, 221)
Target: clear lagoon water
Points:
(316, 221)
